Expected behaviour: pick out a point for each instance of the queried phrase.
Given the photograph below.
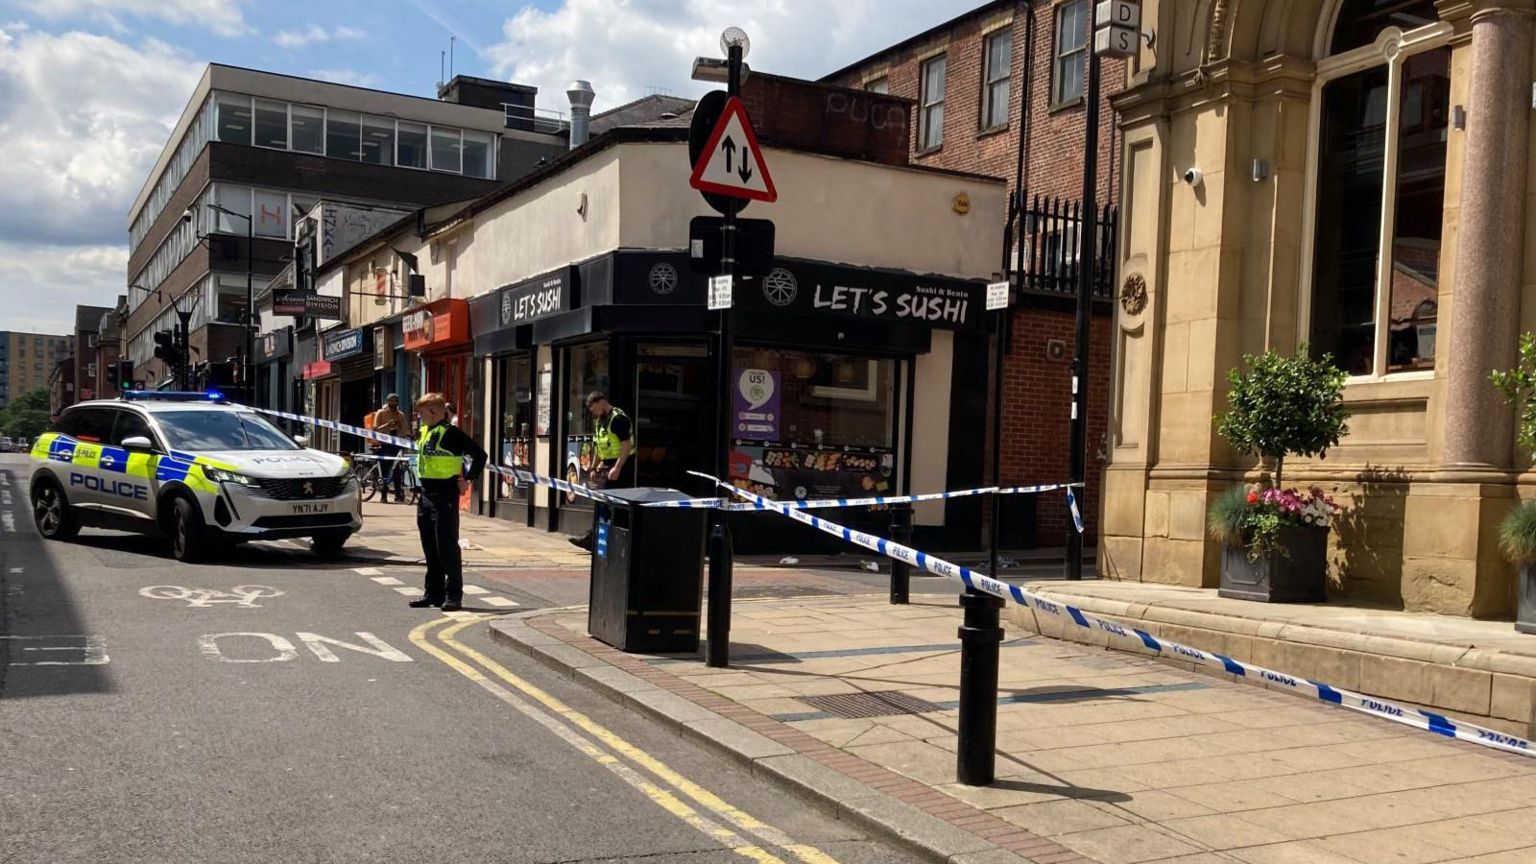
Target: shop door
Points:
(450, 377)
(672, 414)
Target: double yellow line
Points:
(727, 825)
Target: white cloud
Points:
(346, 76)
(314, 34)
(627, 48)
(221, 16)
(84, 118)
(43, 283)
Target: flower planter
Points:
(1295, 572)
(1525, 618)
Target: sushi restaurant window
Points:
(588, 365)
(809, 424)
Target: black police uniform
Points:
(437, 520)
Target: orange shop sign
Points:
(439, 325)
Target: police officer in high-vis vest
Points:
(613, 439)
(441, 451)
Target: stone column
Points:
(1485, 312)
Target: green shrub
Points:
(1517, 534)
(1285, 405)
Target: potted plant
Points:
(1275, 540)
(1517, 533)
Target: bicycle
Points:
(369, 470)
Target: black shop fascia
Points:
(832, 365)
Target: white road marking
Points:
(368, 571)
(387, 580)
(461, 615)
(8, 521)
(475, 589)
(5, 497)
(406, 590)
(18, 570)
(318, 643)
(244, 596)
(209, 645)
(92, 650)
(501, 602)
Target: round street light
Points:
(734, 37)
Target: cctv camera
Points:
(1192, 176)
(186, 215)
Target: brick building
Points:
(26, 362)
(1000, 91)
(87, 366)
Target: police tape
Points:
(1415, 717)
(523, 476)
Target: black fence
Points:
(1049, 249)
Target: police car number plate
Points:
(307, 509)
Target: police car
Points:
(191, 467)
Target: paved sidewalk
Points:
(1103, 756)
(389, 536)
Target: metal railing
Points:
(530, 119)
(1048, 251)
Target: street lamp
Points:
(247, 371)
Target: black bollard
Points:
(901, 571)
(980, 638)
(717, 647)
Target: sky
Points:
(89, 89)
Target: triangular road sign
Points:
(732, 163)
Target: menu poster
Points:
(785, 474)
(755, 401)
(541, 410)
(580, 456)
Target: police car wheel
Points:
(328, 545)
(54, 518)
(187, 539)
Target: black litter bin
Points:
(647, 573)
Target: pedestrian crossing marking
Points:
(501, 602)
(475, 589)
(368, 571)
(387, 580)
(406, 589)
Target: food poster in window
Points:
(515, 453)
(580, 456)
(755, 405)
(785, 473)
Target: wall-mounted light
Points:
(1458, 117)
(1260, 170)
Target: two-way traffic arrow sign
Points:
(732, 163)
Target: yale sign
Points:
(1117, 28)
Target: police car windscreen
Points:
(221, 430)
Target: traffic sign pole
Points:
(717, 649)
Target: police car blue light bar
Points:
(173, 396)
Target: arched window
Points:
(1383, 118)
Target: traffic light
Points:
(165, 348)
(124, 376)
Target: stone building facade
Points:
(1360, 178)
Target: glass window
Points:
(1071, 56)
(92, 424)
(1361, 21)
(341, 135)
(308, 129)
(878, 85)
(233, 198)
(1419, 211)
(996, 68)
(447, 150)
(229, 299)
(233, 118)
(588, 371)
(378, 140)
(479, 151)
(129, 424)
(220, 430)
(824, 400)
(271, 213)
(516, 421)
(271, 124)
(411, 145)
(931, 121)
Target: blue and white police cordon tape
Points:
(1415, 717)
(876, 501)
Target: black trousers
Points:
(437, 518)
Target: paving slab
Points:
(1097, 760)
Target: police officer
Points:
(441, 449)
(613, 439)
